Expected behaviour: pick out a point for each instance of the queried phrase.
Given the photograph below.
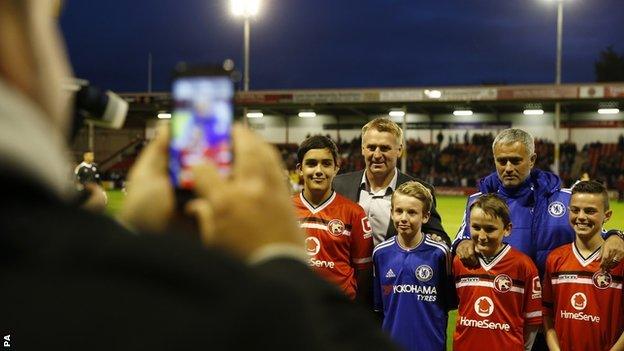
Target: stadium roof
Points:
(575, 98)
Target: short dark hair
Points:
(494, 206)
(317, 142)
(592, 187)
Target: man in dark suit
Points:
(372, 188)
(74, 280)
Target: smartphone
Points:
(201, 122)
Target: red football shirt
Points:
(339, 239)
(496, 301)
(584, 301)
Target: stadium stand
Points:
(457, 164)
(463, 164)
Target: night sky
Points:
(339, 44)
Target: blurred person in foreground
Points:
(75, 280)
(372, 188)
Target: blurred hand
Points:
(612, 252)
(252, 207)
(150, 201)
(97, 200)
(466, 253)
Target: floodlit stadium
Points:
(312, 175)
(448, 130)
(445, 128)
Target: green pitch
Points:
(451, 209)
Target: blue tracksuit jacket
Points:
(539, 214)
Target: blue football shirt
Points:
(414, 290)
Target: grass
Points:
(451, 209)
(115, 200)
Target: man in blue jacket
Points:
(537, 202)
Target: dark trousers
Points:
(540, 342)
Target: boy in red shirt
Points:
(582, 303)
(500, 300)
(339, 238)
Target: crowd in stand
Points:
(462, 164)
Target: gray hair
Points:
(512, 135)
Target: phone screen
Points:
(201, 124)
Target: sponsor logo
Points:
(390, 274)
(484, 324)
(366, 227)
(335, 227)
(579, 301)
(414, 289)
(580, 316)
(556, 209)
(536, 288)
(469, 280)
(424, 273)
(422, 292)
(322, 264)
(484, 306)
(313, 245)
(502, 283)
(568, 277)
(602, 280)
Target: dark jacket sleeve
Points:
(434, 225)
(342, 324)
(348, 185)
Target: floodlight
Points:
(433, 94)
(163, 115)
(608, 111)
(462, 113)
(255, 114)
(533, 112)
(396, 113)
(245, 8)
(307, 114)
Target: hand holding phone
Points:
(201, 122)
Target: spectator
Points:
(620, 188)
(91, 196)
(86, 171)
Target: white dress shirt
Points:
(377, 206)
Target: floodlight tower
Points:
(246, 9)
(558, 80)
